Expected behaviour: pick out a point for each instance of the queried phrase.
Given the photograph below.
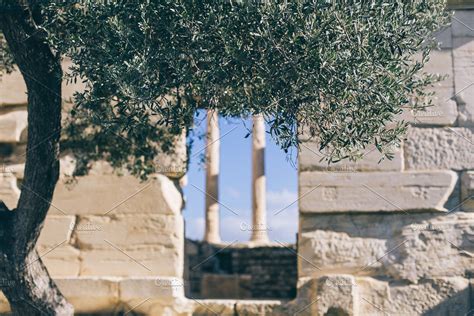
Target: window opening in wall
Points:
(241, 212)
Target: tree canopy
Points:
(342, 70)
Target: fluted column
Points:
(211, 233)
(259, 217)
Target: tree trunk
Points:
(25, 281)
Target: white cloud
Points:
(281, 199)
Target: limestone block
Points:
(467, 191)
(173, 163)
(337, 295)
(325, 252)
(61, 261)
(129, 230)
(434, 248)
(463, 53)
(4, 305)
(90, 295)
(57, 229)
(403, 247)
(442, 296)
(322, 192)
(443, 110)
(111, 194)
(157, 287)
(9, 192)
(12, 125)
(309, 159)
(463, 23)
(444, 37)
(214, 307)
(439, 148)
(374, 296)
(258, 308)
(12, 89)
(135, 261)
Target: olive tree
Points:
(342, 71)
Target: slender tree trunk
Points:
(25, 281)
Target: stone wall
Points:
(109, 241)
(397, 237)
(239, 271)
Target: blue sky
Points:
(235, 184)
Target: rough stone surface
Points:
(402, 247)
(214, 307)
(337, 295)
(463, 23)
(129, 230)
(110, 194)
(463, 74)
(442, 296)
(443, 110)
(439, 148)
(310, 160)
(9, 192)
(12, 126)
(90, 295)
(61, 261)
(467, 191)
(56, 230)
(322, 192)
(132, 261)
(158, 287)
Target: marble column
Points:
(211, 233)
(259, 217)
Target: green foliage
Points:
(340, 70)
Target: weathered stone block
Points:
(57, 229)
(258, 308)
(374, 296)
(443, 110)
(442, 296)
(61, 261)
(9, 192)
(467, 191)
(337, 295)
(12, 125)
(310, 160)
(404, 247)
(214, 307)
(322, 192)
(90, 295)
(326, 252)
(463, 73)
(444, 37)
(136, 261)
(439, 148)
(128, 230)
(111, 194)
(463, 23)
(158, 287)
(173, 164)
